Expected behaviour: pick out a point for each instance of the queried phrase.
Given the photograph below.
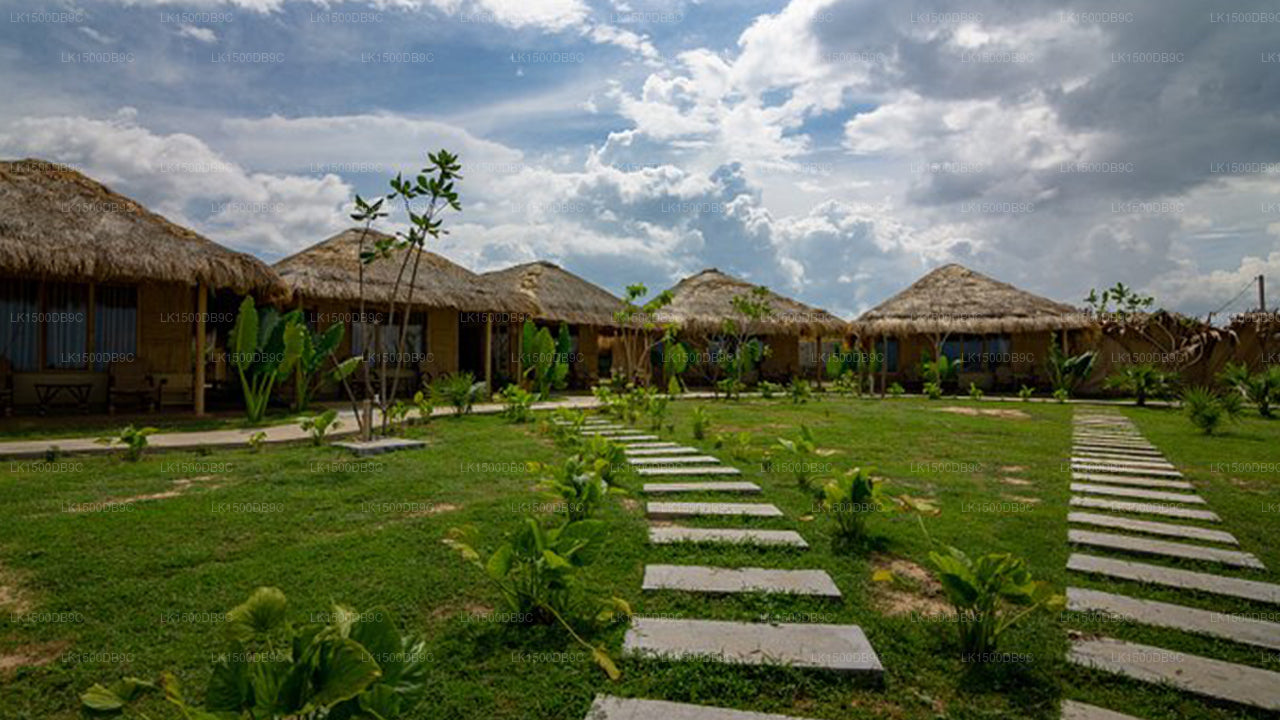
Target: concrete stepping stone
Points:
(1236, 628)
(1189, 532)
(674, 510)
(673, 460)
(647, 452)
(649, 445)
(700, 470)
(689, 487)
(1122, 469)
(1147, 546)
(1133, 481)
(699, 578)
(1109, 433)
(1116, 439)
(1145, 508)
(1100, 448)
(606, 707)
(609, 432)
(632, 438)
(672, 535)
(1132, 492)
(841, 648)
(1199, 675)
(1072, 710)
(1121, 462)
(1175, 578)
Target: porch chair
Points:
(132, 380)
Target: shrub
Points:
(985, 593)
(1207, 410)
(426, 408)
(606, 458)
(1142, 381)
(398, 415)
(256, 440)
(356, 666)
(1261, 389)
(739, 444)
(768, 390)
(801, 450)
(567, 432)
(320, 425)
(854, 496)
(517, 403)
(975, 392)
(799, 391)
(575, 484)
(1061, 395)
(538, 570)
(131, 440)
(1025, 392)
(933, 390)
(655, 406)
(701, 423)
(459, 390)
(896, 390)
(1068, 371)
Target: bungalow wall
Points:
(152, 324)
(1004, 361)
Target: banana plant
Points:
(265, 347)
(538, 571)
(1068, 371)
(675, 361)
(990, 595)
(313, 351)
(355, 666)
(856, 495)
(544, 359)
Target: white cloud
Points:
(200, 34)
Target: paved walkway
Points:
(1119, 462)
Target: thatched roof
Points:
(57, 223)
(556, 294)
(330, 270)
(956, 299)
(702, 302)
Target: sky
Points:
(833, 150)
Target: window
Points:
(973, 352)
(889, 352)
(362, 338)
(115, 324)
(998, 350)
(952, 348)
(19, 331)
(65, 325)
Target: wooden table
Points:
(47, 392)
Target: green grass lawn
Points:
(136, 586)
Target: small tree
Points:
(544, 359)
(1143, 381)
(744, 351)
(1068, 371)
(639, 333)
(1261, 389)
(265, 346)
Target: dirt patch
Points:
(1023, 499)
(12, 598)
(467, 609)
(1014, 481)
(30, 655)
(434, 509)
(985, 412)
(1012, 469)
(913, 590)
(180, 486)
(630, 504)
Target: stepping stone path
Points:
(611, 708)
(688, 487)
(1111, 458)
(836, 648)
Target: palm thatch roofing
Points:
(555, 294)
(330, 270)
(702, 302)
(57, 223)
(956, 299)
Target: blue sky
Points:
(834, 150)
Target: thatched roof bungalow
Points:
(794, 331)
(554, 295)
(452, 306)
(99, 293)
(1001, 332)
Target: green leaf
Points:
(244, 336)
(499, 563)
(229, 687)
(263, 612)
(100, 699)
(345, 669)
(604, 661)
(555, 560)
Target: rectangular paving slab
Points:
(1116, 468)
(1120, 462)
(1100, 448)
(1132, 492)
(613, 708)
(700, 578)
(699, 470)
(674, 460)
(1132, 481)
(648, 445)
(1175, 578)
(842, 648)
(1200, 675)
(1164, 548)
(1072, 710)
(1236, 628)
(1189, 532)
(632, 451)
(1146, 508)
(671, 535)
(710, 486)
(1111, 439)
(632, 438)
(672, 510)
